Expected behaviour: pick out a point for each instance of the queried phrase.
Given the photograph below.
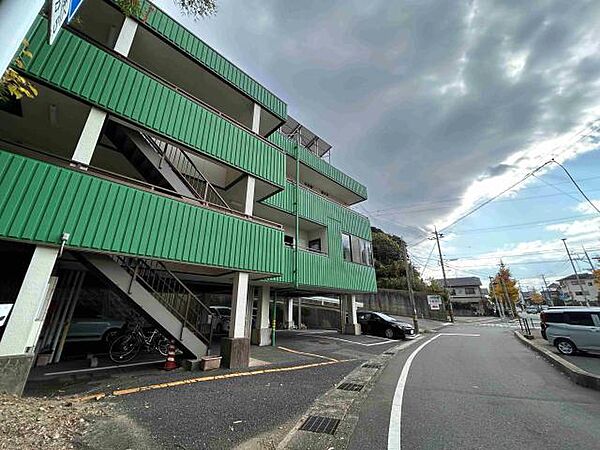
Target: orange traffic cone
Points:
(170, 363)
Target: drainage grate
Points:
(389, 353)
(372, 366)
(351, 387)
(320, 424)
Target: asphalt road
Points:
(485, 392)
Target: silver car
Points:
(572, 329)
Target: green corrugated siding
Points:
(40, 201)
(319, 164)
(319, 271)
(201, 52)
(83, 70)
(325, 271)
(318, 209)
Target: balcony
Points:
(104, 79)
(40, 200)
(319, 173)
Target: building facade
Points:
(579, 292)
(466, 295)
(152, 169)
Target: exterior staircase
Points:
(161, 295)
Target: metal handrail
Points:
(157, 145)
(170, 290)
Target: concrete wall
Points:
(391, 301)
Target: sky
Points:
(438, 106)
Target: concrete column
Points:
(299, 312)
(342, 313)
(16, 17)
(126, 36)
(261, 334)
(96, 117)
(17, 347)
(352, 326)
(235, 349)
(288, 314)
(256, 118)
(250, 183)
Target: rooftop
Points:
(582, 276)
(461, 281)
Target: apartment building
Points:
(579, 289)
(149, 171)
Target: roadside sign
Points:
(434, 301)
(61, 11)
(75, 4)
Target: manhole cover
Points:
(372, 366)
(320, 424)
(351, 387)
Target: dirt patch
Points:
(49, 423)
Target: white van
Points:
(572, 329)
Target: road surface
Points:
(476, 387)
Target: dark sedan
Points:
(379, 324)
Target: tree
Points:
(503, 284)
(389, 263)
(536, 298)
(195, 9)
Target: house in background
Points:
(573, 292)
(466, 295)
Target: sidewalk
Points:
(583, 369)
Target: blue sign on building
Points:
(75, 4)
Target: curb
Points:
(575, 374)
(342, 405)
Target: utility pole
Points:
(410, 291)
(587, 303)
(510, 302)
(588, 258)
(548, 297)
(437, 238)
(500, 310)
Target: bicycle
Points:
(127, 346)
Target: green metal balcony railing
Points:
(107, 80)
(39, 201)
(316, 208)
(179, 36)
(319, 164)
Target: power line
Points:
(576, 185)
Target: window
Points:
(357, 250)
(356, 256)
(288, 240)
(554, 317)
(589, 284)
(579, 318)
(315, 244)
(346, 247)
(470, 291)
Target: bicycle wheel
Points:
(124, 348)
(162, 345)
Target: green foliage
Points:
(389, 263)
(192, 8)
(14, 85)
(197, 8)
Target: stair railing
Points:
(172, 293)
(188, 171)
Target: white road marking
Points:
(386, 341)
(395, 429)
(93, 369)
(460, 334)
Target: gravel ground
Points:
(35, 423)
